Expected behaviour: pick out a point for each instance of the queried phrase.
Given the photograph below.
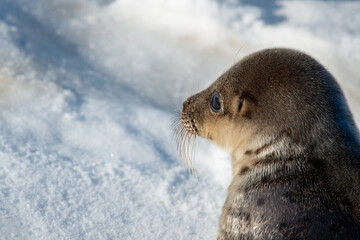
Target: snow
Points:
(88, 93)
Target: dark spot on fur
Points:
(244, 170)
(229, 208)
(245, 216)
(260, 201)
(248, 96)
(282, 225)
(263, 162)
(290, 195)
(265, 179)
(286, 133)
(259, 150)
(248, 152)
(236, 92)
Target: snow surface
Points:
(88, 91)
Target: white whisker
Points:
(185, 144)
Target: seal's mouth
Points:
(185, 132)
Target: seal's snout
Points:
(188, 116)
(184, 114)
(186, 104)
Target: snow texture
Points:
(88, 91)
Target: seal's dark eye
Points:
(215, 102)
